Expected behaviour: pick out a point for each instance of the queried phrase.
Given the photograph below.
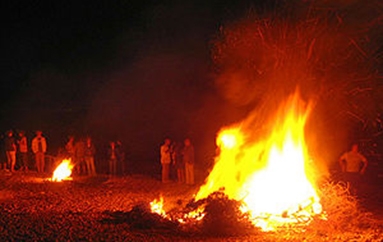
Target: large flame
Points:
(272, 175)
(63, 171)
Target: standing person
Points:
(121, 162)
(90, 150)
(165, 152)
(178, 162)
(79, 156)
(3, 160)
(10, 150)
(69, 148)
(23, 151)
(353, 164)
(113, 158)
(188, 158)
(39, 147)
(173, 169)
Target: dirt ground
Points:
(32, 208)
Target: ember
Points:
(63, 171)
(156, 206)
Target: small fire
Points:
(156, 206)
(63, 171)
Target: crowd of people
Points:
(23, 155)
(174, 156)
(16, 149)
(81, 151)
(181, 157)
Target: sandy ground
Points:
(34, 208)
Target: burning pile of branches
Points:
(222, 217)
(93, 210)
(141, 218)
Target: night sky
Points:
(138, 71)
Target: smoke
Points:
(330, 51)
(161, 84)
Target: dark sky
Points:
(133, 70)
(138, 71)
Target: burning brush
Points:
(267, 183)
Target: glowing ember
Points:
(197, 215)
(269, 176)
(156, 206)
(63, 171)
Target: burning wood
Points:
(63, 171)
(156, 206)
(271, 178)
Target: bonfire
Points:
(271, 178)
(265, 173)
(63, 171)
